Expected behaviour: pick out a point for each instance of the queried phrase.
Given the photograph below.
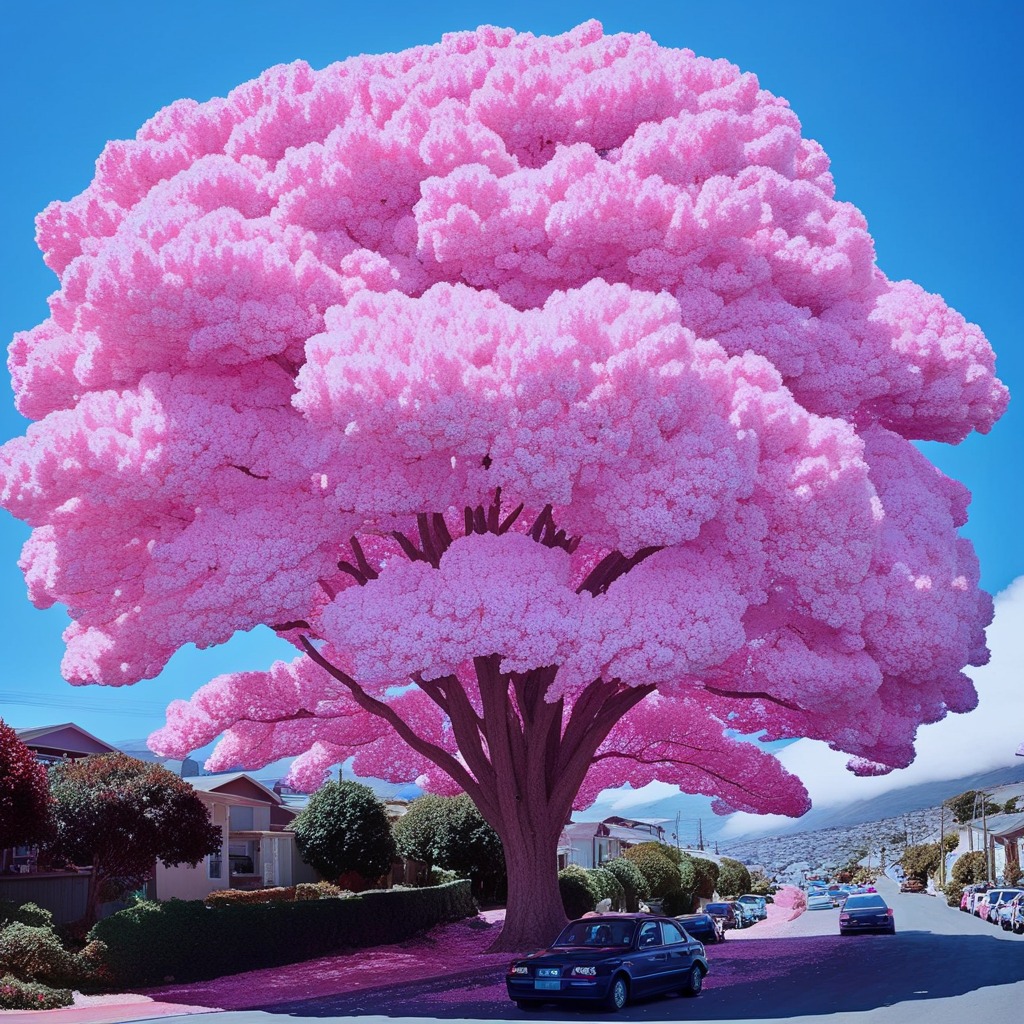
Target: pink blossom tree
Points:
(542, 394)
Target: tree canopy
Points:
(24, 792)
(120, 815)
(733, 878)
(543, 394)
(344, 830)
(971, 804)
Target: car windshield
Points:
(865, 902)
(597, 932)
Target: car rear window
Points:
(862, 902)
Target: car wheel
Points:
(528, 1004)
(694, 981)
(843, 931)
(618, 994)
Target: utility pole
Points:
(700, 834)
(990, 869)
(942, 845)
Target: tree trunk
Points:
(534, 914)
(92, 896)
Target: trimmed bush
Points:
(36, 954)
(661, 873)
(634, 885)
(682, 901)
(577, 892)
(25, 913)
(230, 897)
(607, 887)
(26, 995)
(733, 878)
(179, 941)
(320, 891)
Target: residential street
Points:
(942, 967)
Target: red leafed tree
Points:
(119, 815)
(24, 793)
(543, 394)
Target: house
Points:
(50, 744)
(591, 843)
(257, 849)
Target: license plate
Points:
(551, 984)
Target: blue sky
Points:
(917, 103)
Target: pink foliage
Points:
(601, 276)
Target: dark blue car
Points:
(610, 959)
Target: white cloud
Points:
(612, 801)
(959, 745)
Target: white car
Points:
(819, 901)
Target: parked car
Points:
(611, 959)
(745, 915)
(912, 885)
(703, 927)
(967, 897)
(1008, 910)
(757, 903)
(866, 913)
(975, 898)
(994, 899)
(1017, 917)
(819, 901)
(725, 913)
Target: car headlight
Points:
(587, 972)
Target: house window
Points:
(241, 819)
(213, 865)
(602, 848)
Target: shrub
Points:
(191, 941)
(441, 876)
(345, 830)
(733, 878)
(953, 891)
(274, 894)
(661, 873)
(1012, 874)
(319, 891)
(705, 877)
(577, 891)
(26, 913)
(682, 901)
(26, 995)
(607, 887)
(36, 954)
(970, 868)
(634, 885)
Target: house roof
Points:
(214, 783)
(1020, 750)
(67, 737)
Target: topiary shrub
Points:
(319, 891)
(682, 901)
(36, 954)
(273, 894)
(16, 994)
(733, 878)
(26, 913)
(634, 885)
(661, 873)
(577, 892)
(607, 887)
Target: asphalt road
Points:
(941, 967)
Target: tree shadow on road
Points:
(755, 979)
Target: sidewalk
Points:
(445, 951)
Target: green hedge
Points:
(154, 943)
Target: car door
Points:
(650, 960)
(679, 952)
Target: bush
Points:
(36, 954)
(192, 941)
(441, 876)
(682, 901)
(274, 894)
(634, 885)
(25, 913)
(26, 995)
(733, 878)
(953, 891)
(577, 892)
(970, 868)
(607, 887)
(661, 873)
(320, 891)
(1012, 874)
(705, 877)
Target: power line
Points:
(137, 708)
